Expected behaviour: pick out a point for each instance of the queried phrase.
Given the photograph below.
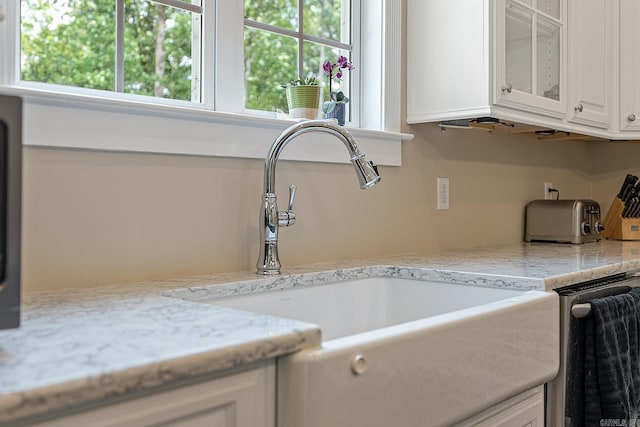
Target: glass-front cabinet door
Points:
(529, 51)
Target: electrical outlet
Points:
(547, 194)
(443, 193)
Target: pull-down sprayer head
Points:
(365, 170)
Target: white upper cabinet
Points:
(447, 59)
(630, 65)
(473, 58)
(590, 69)
(569, 65)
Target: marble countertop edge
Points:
(208, 292)
(66, 395)
(568, 279)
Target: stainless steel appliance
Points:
(565, 394)
(10, 209)
(565, 221)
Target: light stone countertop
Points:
(80, 346)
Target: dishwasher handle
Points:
(583, 309)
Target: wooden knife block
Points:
(618, 228)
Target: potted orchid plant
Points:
(335, 108)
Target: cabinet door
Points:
(525, 410)
(447, 59)
(245, 399)
(529, 52)
(590, 62)
(629, 65)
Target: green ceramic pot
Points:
(303, 101)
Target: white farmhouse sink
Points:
(348, 308)
(400, 352)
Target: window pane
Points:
(158, 46)
(280, 13)
(314, 56)
(270, 60)
(69, 43)
(326, 20)
(323, 18)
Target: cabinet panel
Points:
(590, 62)
(524, 410)
(629, 65)
(244, 399)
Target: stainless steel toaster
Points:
(566, 221)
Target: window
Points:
(193, 113)
(153, 47)
(135, 46)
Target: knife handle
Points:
(627, 185)
(631, 189)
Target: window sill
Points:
(73, 121)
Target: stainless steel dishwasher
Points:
(565, 393)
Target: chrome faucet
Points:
(270, 218)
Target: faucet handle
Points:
(292, 195)
(287, 218)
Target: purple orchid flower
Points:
(341, 64)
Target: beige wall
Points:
(94, 218)
(611, 162)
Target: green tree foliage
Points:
(73, 43)
(270, 60)
(157, 50)
(69, 42)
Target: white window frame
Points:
(219, 126)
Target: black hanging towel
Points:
(612, 361)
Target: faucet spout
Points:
(270, 218)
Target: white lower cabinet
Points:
(247, 398)
(242, 399)
(523, 410)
